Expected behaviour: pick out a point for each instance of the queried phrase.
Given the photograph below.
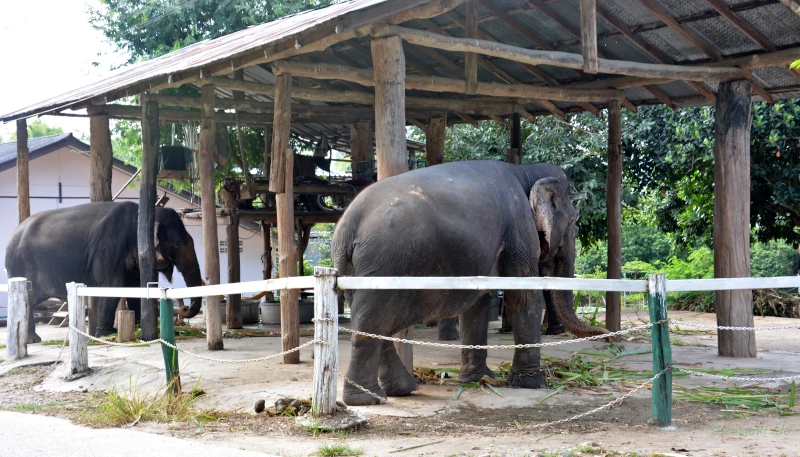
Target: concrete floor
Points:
(236, 387)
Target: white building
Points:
(59, 177)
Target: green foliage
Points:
(645, 243)
(774, 258)
(337, 449)
(37, 128)
(149, 29)
(323, 245)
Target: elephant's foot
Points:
(103, 331)
(398, 383)
(555, 330)
(34, 338)
(353, 396)
(533, 380)
(449, 334)
(474, 375)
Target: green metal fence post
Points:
(662, 353)
(167, 318)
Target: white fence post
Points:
(78, 344)
(18, 315)
(326, 329)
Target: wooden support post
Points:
(589, 35)
(515, 134)
(234, 303)
(361, 149)
(281, 182)
(614, 213)
(100, 156)
(470, 58)
(732, 215)
(126, 325)
(390, 113)
(23, 186)
(326, 329)
(17, 322)
(662, 352)
(208, 153)
(78, 344)
(390, 131)
(266, 257)
(147, 217)
(434, 140)
(168, 334)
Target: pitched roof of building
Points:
(37, 147)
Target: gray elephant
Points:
(473, 218)
(96, 244)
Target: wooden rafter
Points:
(696, 40)
(470, 58)
(792, 5)
(588, 34)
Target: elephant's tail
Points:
(342, 246)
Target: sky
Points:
(48, 48)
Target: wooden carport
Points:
(432, 63)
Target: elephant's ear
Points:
(544, 204)
(155, 234)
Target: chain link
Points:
(610, 404)
(720, 327)
(497, 346)
(738, 378)
(192, 354)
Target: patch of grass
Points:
(129, 405)
(2, 346)
(32, 407)
(338, 449)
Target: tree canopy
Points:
(38, 128)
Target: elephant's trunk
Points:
(563, 299)
(186, 262)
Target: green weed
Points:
(338, 449)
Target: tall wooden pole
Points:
(233, 311)
(589, 35)
(614, 213)
(266, 272)
(732, 215)
(147, 216)
(208, 152)
(281, 182)
(470, 58)
(434, 141)
(361, 149)
(23, 186)
(100, 156)
(515, 133)
(390, 132)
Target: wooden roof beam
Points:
(695, 39)
(588, 34)
(792, 5)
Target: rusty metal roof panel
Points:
(197, 55)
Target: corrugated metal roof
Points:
(198, 55)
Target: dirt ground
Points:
(479, 423)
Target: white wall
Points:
(71, 169)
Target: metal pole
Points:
(326, 354)
(167, 318)
(662, 353)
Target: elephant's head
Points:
(175, 248)
(555, 218)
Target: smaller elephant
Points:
(96, 244)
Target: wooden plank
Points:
(208, 154)
(147, 217)
(470, 58)
(389, 82)
(17, 320)
(662, 353)
(126, 325)
(23, 184)
(683, 285)
(434, 140)
(557, 58)
(732, 215)
(589, 35)
(490, 283)
(78, 344)
(326, 355)
(100, 156)
(614, 214)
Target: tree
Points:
(38, 128)
(149, 29)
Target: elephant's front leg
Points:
(447, 329)
(474, 328)
(526, 308)
(392, 374)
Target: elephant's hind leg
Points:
(365, 356)
(33, 337)
(447, 329)
(392, 375)
(526, 308)
(474, 326)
